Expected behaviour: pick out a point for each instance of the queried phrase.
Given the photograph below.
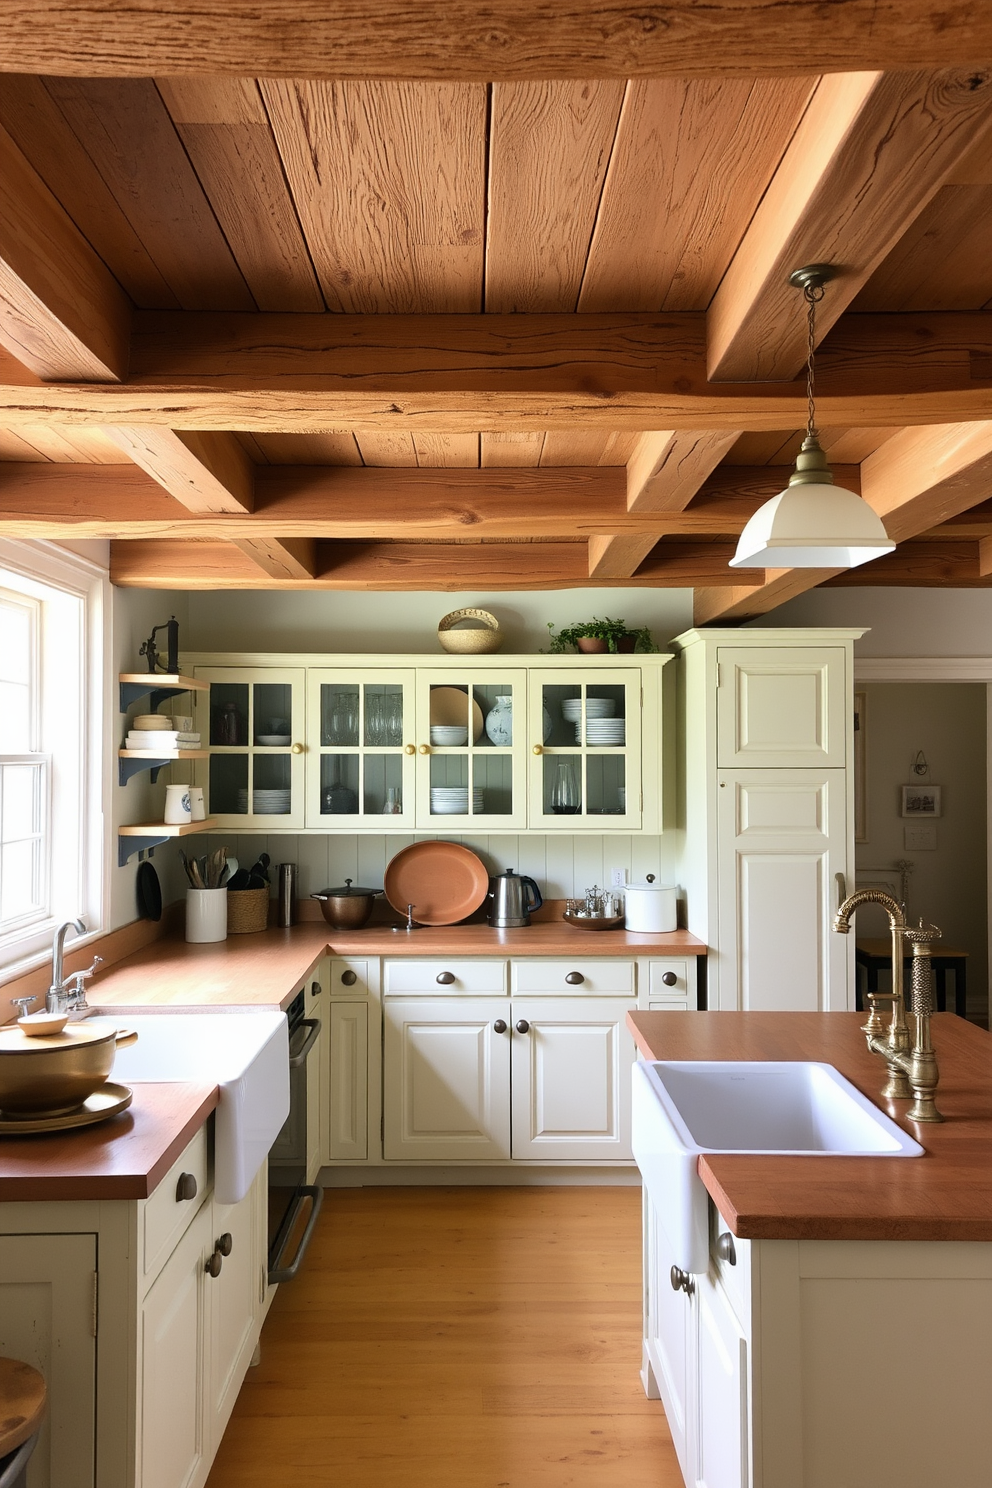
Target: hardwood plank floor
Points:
(456, 1338)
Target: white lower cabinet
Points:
(346, 1125)
(570, 1078)
(721, 1445)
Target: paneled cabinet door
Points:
(722, 1437)
(570, 1078)
(584, 752)
(46, 1319)
(667, 1334)
(347, 1125)
(471, 737)
(253, 722)
(233, 1299)
(782, 858)
(361, 759)
(173, 1440)
(782, 709)
(446, 1076)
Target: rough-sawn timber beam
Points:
(460, 39)
(871, 150)
(465, 373)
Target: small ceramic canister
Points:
(183, 722)
(197, 805)
(178, 807)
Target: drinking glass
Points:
(566, 798)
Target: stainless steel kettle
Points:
(514, 896)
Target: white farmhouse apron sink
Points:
(246, 1055)
(774, 1109)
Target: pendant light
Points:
(812, 523)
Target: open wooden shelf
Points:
(160, 685)
(133, 761)
(144, 836)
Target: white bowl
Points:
(272, 739)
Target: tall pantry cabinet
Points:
(767, 740)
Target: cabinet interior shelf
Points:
(145, 836)
(157, 685)
(132, 761)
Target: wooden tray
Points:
(444, 882)
(592, 922)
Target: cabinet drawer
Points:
(662, 987)
(349, 978)
(405, 976)
(165, 1216)
(598, 978)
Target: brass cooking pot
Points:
(52, 1076)
(347, 908)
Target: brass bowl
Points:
(55, 1075)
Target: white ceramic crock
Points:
(206, 915)
(651, 906)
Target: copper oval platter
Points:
(108, 1101)
(444, 882)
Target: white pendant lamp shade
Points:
(812, 526)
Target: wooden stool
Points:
(22, 1409)
(873, 956)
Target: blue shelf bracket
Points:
(128, 846)
(128, 767)
(132, 691)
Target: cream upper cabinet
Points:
(782, 709)
(470, 731)
(253, 720)
(585, 751)
(361, 757)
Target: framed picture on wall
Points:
(860, 767)
(921, 800)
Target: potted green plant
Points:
(599, 636)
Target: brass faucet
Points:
(912, 1070)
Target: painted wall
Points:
(948, 884)
(903, 622)
(233, 620)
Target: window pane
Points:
(19, 880)
(15, 718)
(15, 643)
(21, 802)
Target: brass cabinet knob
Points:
(185, 1188)
(682, 1281)
(425, 749)
(409, 748)
(538, 748)
(296, 749)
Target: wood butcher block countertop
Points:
(266, 970)
(944, 1195)
(123, 1158)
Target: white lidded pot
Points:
(651, 906)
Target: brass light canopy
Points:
(812, 523)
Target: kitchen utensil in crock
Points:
(444, 882)
(514, 896)
(108, 1101)
(42, 1077)
(347, 908)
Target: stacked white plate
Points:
(603, 731)
(571, 708)
(266, 802)
(448, 734)
(452, 800)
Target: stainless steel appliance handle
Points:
(278, 1272)
(312, 1025)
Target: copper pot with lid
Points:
(347, 908)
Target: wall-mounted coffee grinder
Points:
(153, 655)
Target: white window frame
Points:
(73, 596)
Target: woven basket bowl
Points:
(247, 911)
(477, 641)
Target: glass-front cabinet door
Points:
(471, 766)
(253, 722)
(363, 757)
(586, 770)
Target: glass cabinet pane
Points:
(229, 785)
(272, 713)
(587, 754)
(339, 714)
(339, 784)
(472, 768)
(229, 713)
(383, 714)
(362, 768)
(251, 719)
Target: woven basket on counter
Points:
(247, 911)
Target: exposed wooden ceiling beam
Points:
(917, 478)
(504, 39)
(206, 471)
(341, 502)
(436, 566)
(921, 565)
(870, 152)
(455, 373)
(664, 472)
(281, 557)
(62, 314)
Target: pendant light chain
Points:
(813, 294)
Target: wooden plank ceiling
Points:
(455, 334)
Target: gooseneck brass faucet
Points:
(912, 1070)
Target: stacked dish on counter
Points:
(452, 800)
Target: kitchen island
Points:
(842, 1333)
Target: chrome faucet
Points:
(912, 1071)
(63, 998)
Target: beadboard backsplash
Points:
(562, 866)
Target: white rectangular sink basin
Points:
(776, 1109)
(245, 1054)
